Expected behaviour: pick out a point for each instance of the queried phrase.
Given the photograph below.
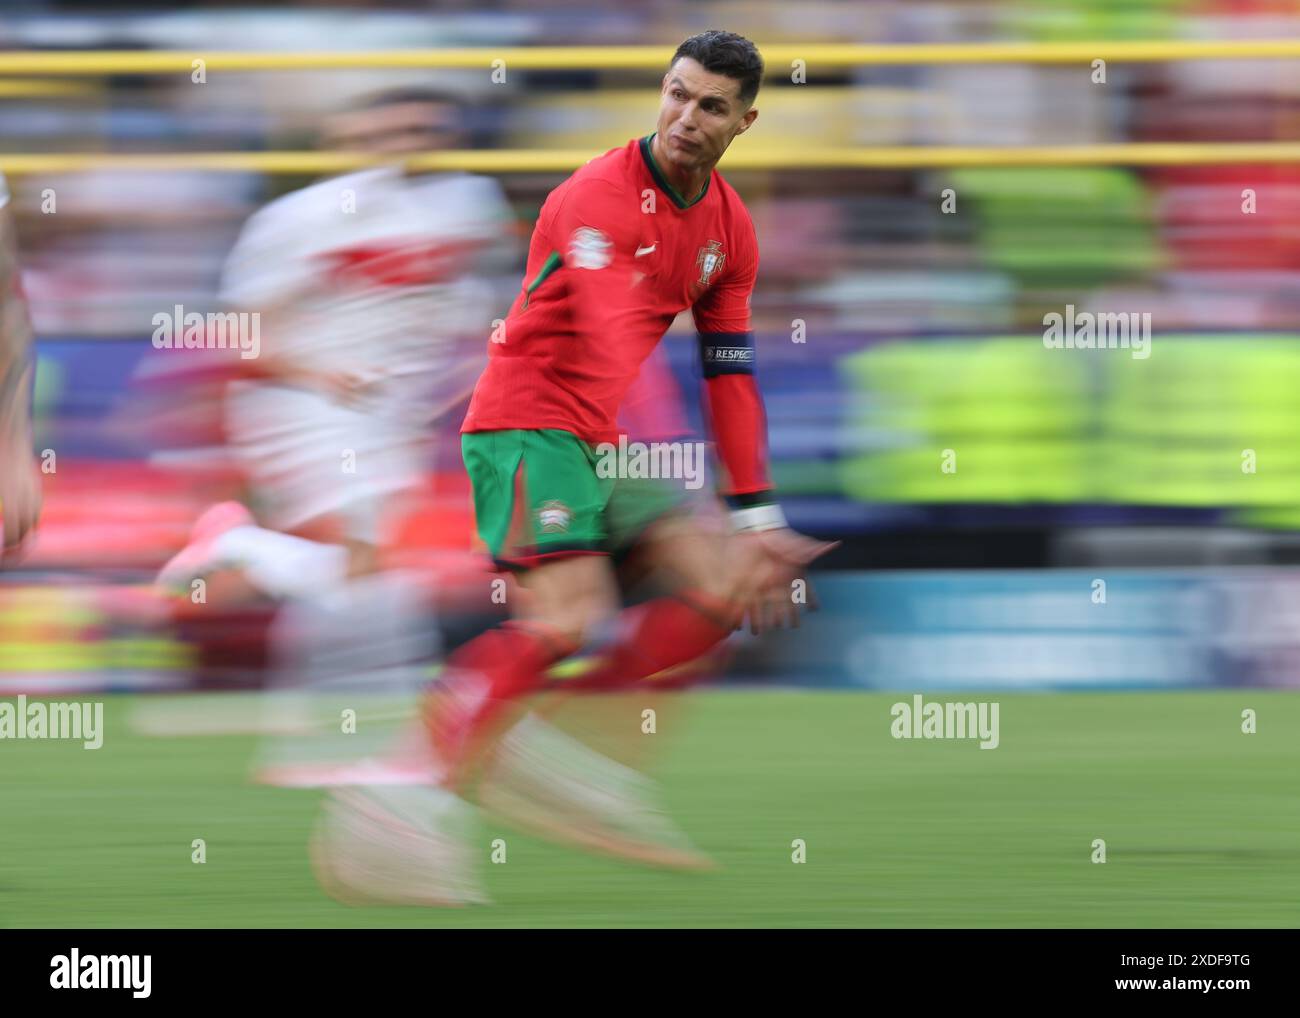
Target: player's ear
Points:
(747, 121)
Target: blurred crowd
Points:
(900, 312)
(862, 251)
(868, 268)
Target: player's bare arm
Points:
(20, 485)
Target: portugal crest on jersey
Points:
(709, 260)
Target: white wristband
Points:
(758, 517)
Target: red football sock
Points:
(662, 634)
(484, 675)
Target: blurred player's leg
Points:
(687, 557)
(536, 775)
(487, 675)
(540, 777)
(278, 565)
(395, 846)
(349, 662)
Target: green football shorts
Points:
(538, 494)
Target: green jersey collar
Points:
(662, 181)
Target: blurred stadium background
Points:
(920, 328)
(921, 332)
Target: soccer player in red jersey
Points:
(620, 248)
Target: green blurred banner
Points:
(1205, 421)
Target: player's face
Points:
(400, 129)
(699, 114)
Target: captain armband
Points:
(727, 353)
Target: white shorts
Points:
(307, 456)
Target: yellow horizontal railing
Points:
(779, 57)
(737, 158)
(44, 87)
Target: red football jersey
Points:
(616, 254)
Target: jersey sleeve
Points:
(725, 307)
(267, 265)
(594, 230)
(733, 406)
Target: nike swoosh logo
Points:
(646, 250)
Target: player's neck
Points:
(688, 184)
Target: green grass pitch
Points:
(1201, 824)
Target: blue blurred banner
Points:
(1045, 629)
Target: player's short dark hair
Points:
(408, 95)
(725, 53)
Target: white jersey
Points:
(375, 273)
